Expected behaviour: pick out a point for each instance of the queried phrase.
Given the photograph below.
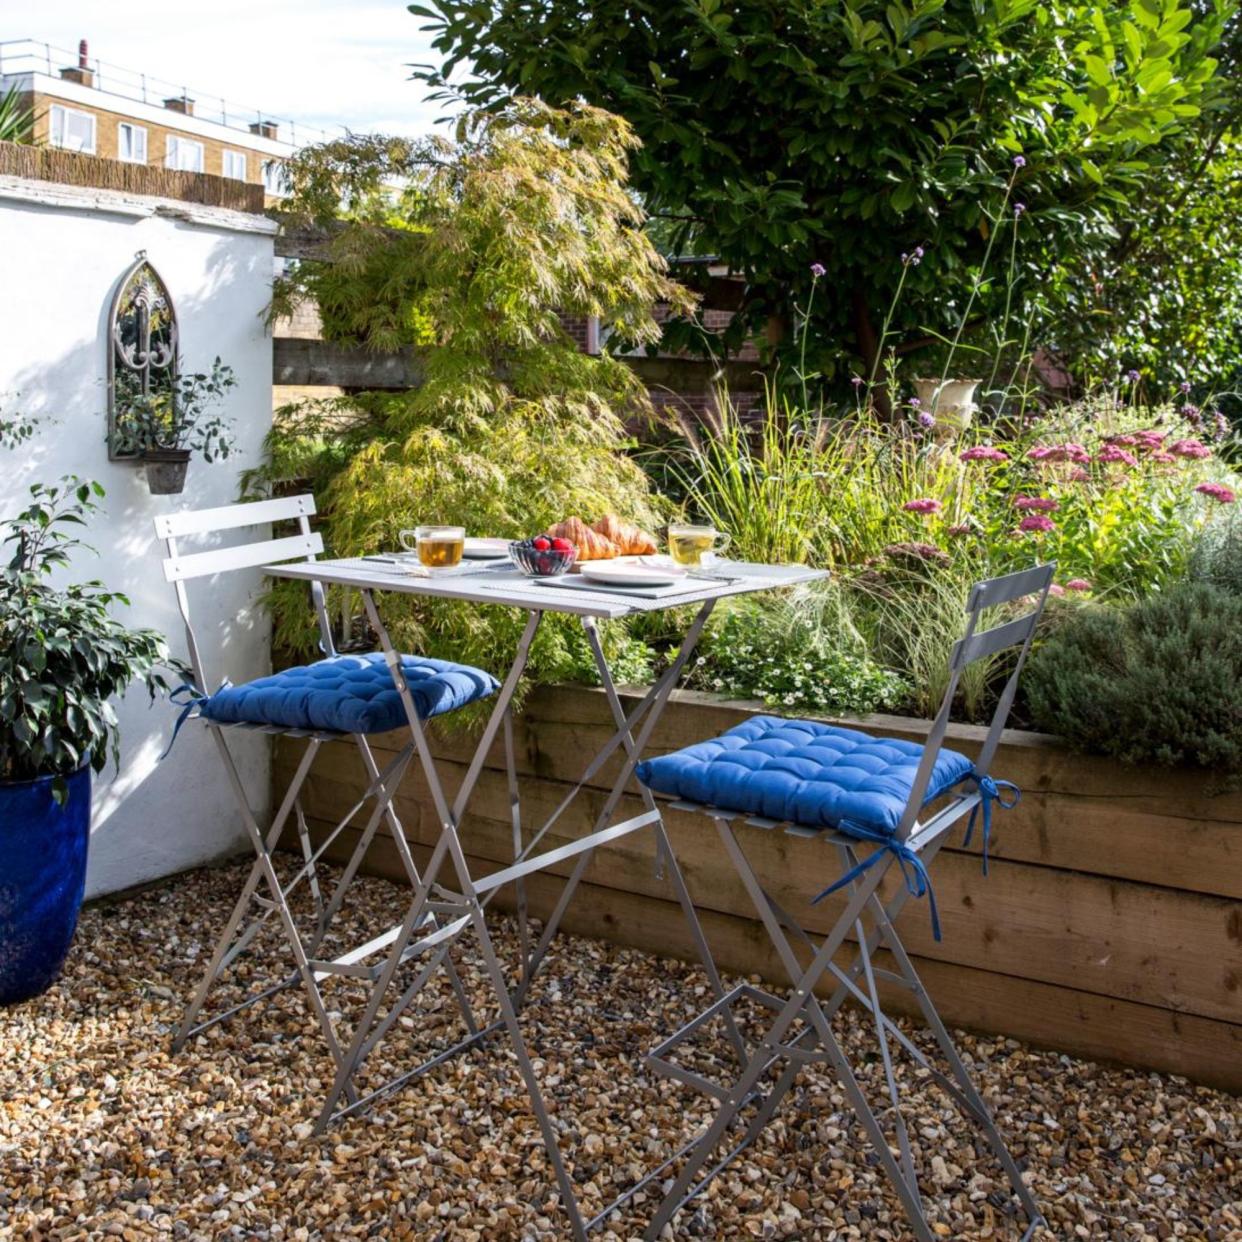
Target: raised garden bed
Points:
(1110, 925)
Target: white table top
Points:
(507, 586)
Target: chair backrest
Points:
(181, 566)
(976, 644)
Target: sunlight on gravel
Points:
(105, 1133)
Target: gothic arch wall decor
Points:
(142, 353)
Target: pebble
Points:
(104, 1133)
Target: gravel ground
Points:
(104, 1133)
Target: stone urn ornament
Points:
(950, 402)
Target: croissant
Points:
(591, 545)
(630, 539)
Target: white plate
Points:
(630, 573)
(486, 549)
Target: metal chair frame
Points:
(815, 1041)
(264, 893)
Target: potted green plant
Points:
(165, 426)
(63, 655)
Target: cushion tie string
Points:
(918, 882)
(989, 792)
(192, 698)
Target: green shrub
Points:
(1217, 555)
(798, 651)
(523, 218)
(1154, 682)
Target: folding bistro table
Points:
(452, 903)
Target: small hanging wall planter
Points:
(157, 415)
(166, 470)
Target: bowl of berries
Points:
(543, 556)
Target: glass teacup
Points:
(438, 547)
(688, 545)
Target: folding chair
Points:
(337, 697)
(847, 789)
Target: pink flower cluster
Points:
(1036, 504)
(1078, 584)
(1036, 523)
(1218, 492)
(1190, 448)
(917, 552)
(984, 452)
(1112, 454)
(1059, 452)
(926, 505)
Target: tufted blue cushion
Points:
(803, 772)
(349, 694)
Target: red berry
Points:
(562, 545)
(541, 543)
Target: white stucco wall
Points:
(64, 250)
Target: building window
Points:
(184, 154)
(275, 180)
(71, 129)
(234, 165)
(131, 143)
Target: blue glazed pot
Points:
(42, 877)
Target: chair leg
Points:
(230, 944)
(982, 1115)
(402, 845)
(744, 1088)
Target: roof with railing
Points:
(34, 56)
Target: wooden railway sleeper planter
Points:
(1110, 925)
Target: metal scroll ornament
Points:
(142, 359)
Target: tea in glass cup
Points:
(688, 545)
(440, 547)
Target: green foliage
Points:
(838, 492)
(181, 416)
(1216, 557)
(798, 651)
(781, 132)
(486, 243)
(1166, 668)
(16, 121)
(63, 655)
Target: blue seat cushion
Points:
(349, 694)
(803, 772)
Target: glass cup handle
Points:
(408, 540)
(725, 539)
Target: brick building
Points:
(83, 104)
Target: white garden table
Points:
(457, 905)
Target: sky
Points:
(319, 62)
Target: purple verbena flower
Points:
(926, 419)
(857, 381)
(1184, 386)
(1019, 161)
(1222, 425)
(1019, 210)
(915, 403)
(925, 505)
(818, 270)
(1133, 376)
